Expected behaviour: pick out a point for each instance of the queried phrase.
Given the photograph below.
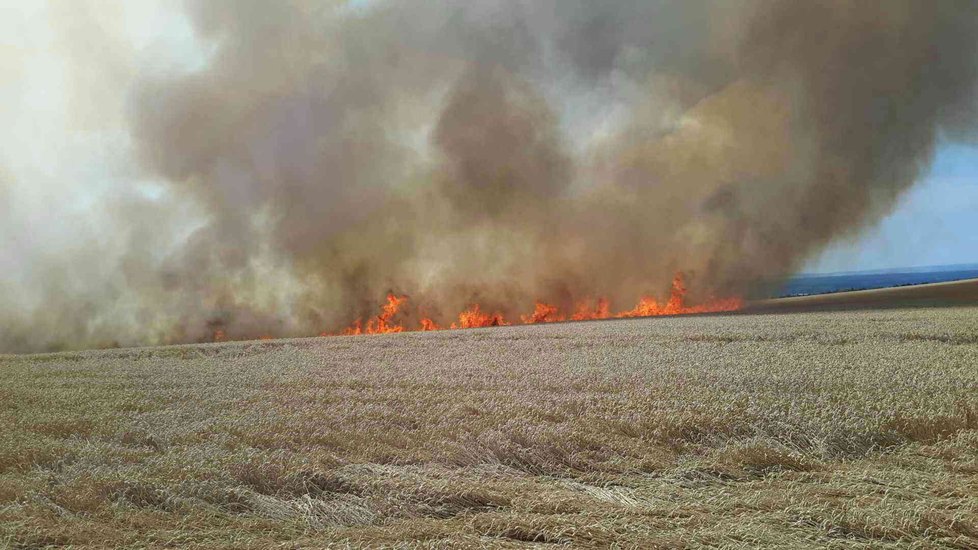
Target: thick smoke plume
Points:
(494, 151)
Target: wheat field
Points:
(832, 429)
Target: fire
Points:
(583, 311)
(393, 313)
(542, 313)
(354, 329)
(383, 323)
(475, 317)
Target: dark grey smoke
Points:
(502, 151)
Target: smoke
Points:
(295, 161)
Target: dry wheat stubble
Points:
(818, 429)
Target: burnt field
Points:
(854, 428)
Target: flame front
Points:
(584, 311)
(382, 323)
(474, 316)
(542, 313)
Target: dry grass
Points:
(854, 429)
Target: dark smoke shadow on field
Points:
(951, 294)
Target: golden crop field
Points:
(829, 429)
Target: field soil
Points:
(855, 429)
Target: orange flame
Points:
(649, 307)
(383, 323)
(354, 329)
(474, 318)
(583, 310)
(543, 312)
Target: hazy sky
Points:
(936, 222)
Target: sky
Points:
(934, 223)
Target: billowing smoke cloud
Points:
(316, 157)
